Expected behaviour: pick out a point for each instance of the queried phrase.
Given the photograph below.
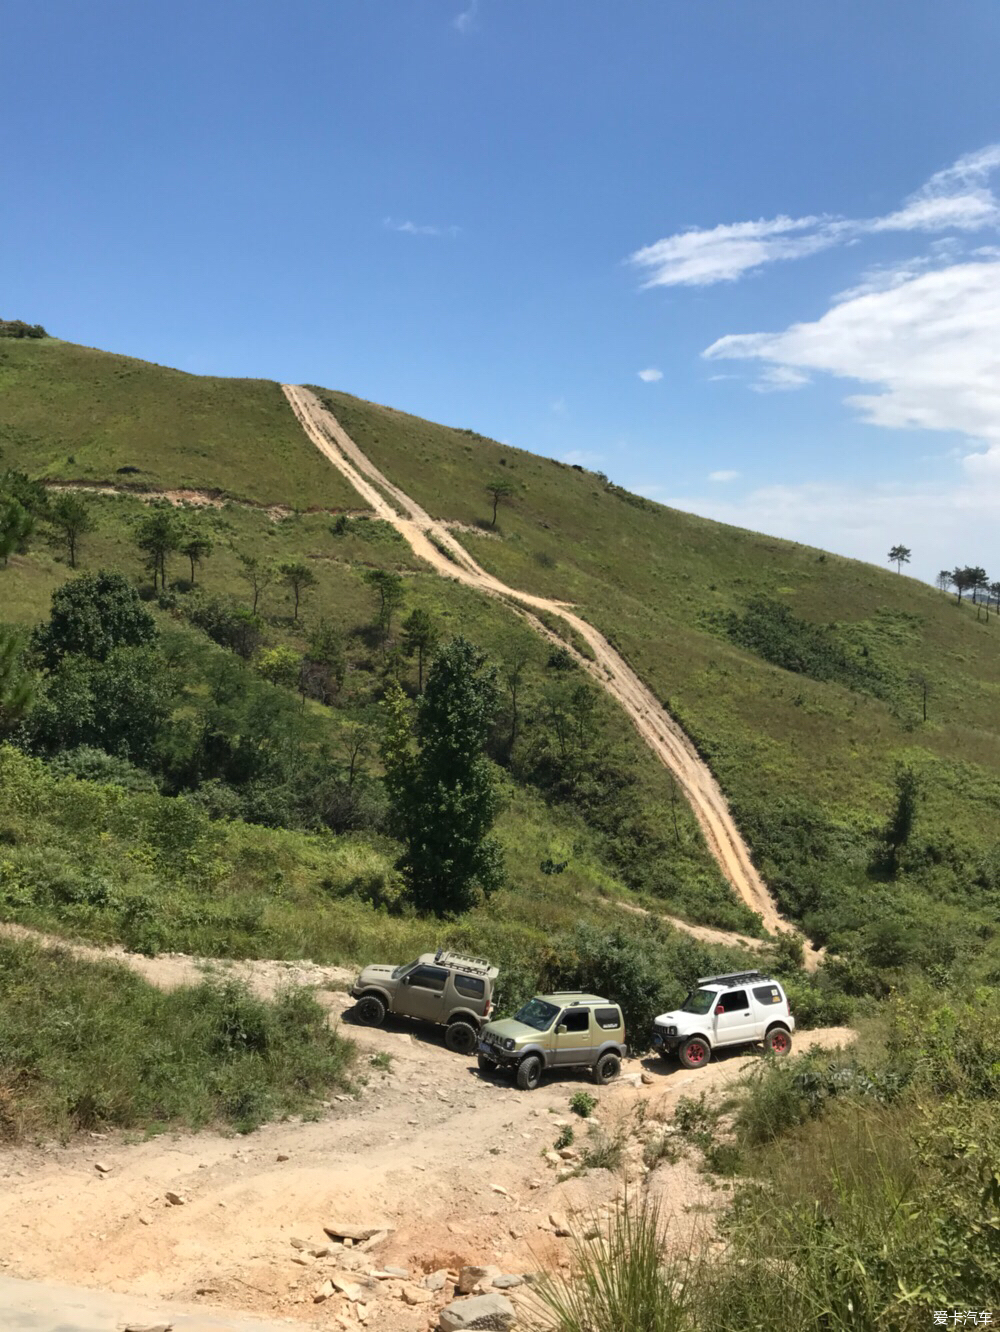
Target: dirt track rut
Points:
(430, 539)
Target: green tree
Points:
(324, 664)
(298, 578)
(389, 592)
(961, 580)
(280, 665)
(499, 488)
(420, 638)
(16, 527)
(513, 668)
(445, 796)
(197, 547)
(17, 686)
(71, 519)
(91, 616)
(258, 574)
(901, 820)
(977, 579)
(900, 555)
(943, 580)
(158, 535)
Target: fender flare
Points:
(773, 1026)
(373, 992)
(695, 1035)
(463, 1015)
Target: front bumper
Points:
(665, 1040)
(503, 1058)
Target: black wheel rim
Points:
(462, 1040)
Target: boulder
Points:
(415, 1295)
(470, 1276)
(507, 1281)
(347, 1230)
(485, 1313)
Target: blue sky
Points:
(497, 214)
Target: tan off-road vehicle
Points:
(556, 1031)
(448, 989)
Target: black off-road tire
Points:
(461, 1038)
(695, 1052)
(486, 1065)
(778, 1041)
(607, 1069)
(370, 1011)
(529, 1073)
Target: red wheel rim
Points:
(696, 1053)
(779, 1041)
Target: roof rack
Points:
(481, 964)
(733, 978)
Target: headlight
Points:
(509, 1043)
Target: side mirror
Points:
(561, 1029)
(719, 1010)
(406, 981)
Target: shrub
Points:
(582, 1104)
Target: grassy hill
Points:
(800, 675)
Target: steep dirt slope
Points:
(433, 542)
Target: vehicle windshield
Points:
(698, 1001)
(401, 971)
(538, 1014)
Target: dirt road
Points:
(429, 539)
(448, 1166)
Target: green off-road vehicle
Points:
(557, 1031)
(448, 989)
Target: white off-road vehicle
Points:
(739, 1009)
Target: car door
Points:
(573, 1038)
(422, 993)
(733, 1018)
(768, 1005)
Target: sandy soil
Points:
(448, 1166)
(429, 539)
(195, 499)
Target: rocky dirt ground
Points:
(427, 1168)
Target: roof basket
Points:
(733, 978)
(475, 964)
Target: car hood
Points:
(375, 975)
(670, 1019)
(508, 1027)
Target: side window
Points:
(767, 994)
(608, 1019)
(471, 987)
(735, 1000)
(429, 978)
(576, 1020)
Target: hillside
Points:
(807, 757)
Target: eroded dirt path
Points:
(434, 543)
(448, 1166)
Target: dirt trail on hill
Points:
(434, 543)
(446, 1164)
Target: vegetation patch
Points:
(86, 1046)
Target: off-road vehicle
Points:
(737, 1009)
(453, 991)
(558, 1031)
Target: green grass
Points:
(74, 413)
(87, 1046)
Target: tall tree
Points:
(71, 519)
(16, 526)
(977, 579)
(91, 616)
(17, 688)
(420, 638)
(159, 535)
(943, 580)
(197, 547)
(900, 555)
(904, 813)
(498, 488)
(445, 797)
(258, 574)
(994, 590)
(389, 592)
(961, 580)
(512, 668)
(298, 578)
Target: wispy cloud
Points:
(558, 405)
(582, 457)
(466, 20)
(651, 375)
(418, 229)
(956, 199)
(780, 379)
(723, 476)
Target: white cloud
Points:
(415, 229)
(582, 457)
(651, 375)
(929, 345)
(956, 199)
(466, 20)
(558, 405)
(723, 476)
(779, 379)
